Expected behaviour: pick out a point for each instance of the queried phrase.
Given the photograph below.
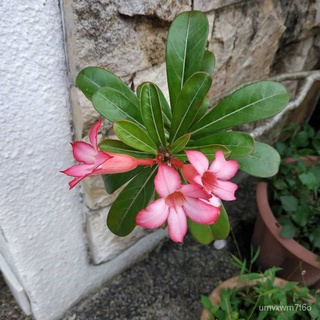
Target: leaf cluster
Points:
(149, 126)
(262, 299)
(295, 189)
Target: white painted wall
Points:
(42, 224)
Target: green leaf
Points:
(202, 110)
(167, 115)
(239, 143)
(262, 162)
(300, 216)
(289, 286)
(288, 231)
(251, 103)
(152, 113)
(180, 143)
(91, 79)
(186, 42)
(133, 198)
(209, 151)
(116, 146)
(208, 62)
(112, 182)
(188, 103)
(115, 105)
(289, 203)
(205, 234)
(309, 179)
(206, 302)
(134, 136)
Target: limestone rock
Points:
(157, 75)
(208, 5)
(103, 244)
(245, 41)
(162, 9)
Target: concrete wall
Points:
(42, 235)
(44, 228)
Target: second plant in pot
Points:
(260, 296)
(287, 229)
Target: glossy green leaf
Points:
(91, 79)
(133, 198)
(114, 105)
(134, 136)
(202, 110)
(180, 143)
(152, 115)
(263, 162)
(209, 151)
(208, 62)
(112, 182)
(117, 146)
(188, 103)
(186, 42)
(206, 234)
(167, 115)
(238, 143)
(253, 102)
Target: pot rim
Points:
(273, 225)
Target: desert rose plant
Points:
(175, 157)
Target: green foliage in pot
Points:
(262, 299)
(295, 190)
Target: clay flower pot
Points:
(234, 282)
(298, 263)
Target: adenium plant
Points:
(175, 158)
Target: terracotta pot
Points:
(234, 283)
(298, 263)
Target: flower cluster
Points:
(198, 200)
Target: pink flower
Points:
(177, 202)
(212, 178)
(96, 161)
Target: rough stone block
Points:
(208, 5)
(156, 75)
(162, 9)
(103, 244)
(239, 41)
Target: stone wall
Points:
(251, 40)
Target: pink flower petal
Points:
(198, 160)
(222, 168)
(189, 172)
(201, 212)
(94, 134)
(101, 158)
(167, 180)
(154, 215)
(177, 224)
(83, 152)
(75, 181)
(215, 201)
(117, 164)
(225, 190)
(78, 170)
(194, 191)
